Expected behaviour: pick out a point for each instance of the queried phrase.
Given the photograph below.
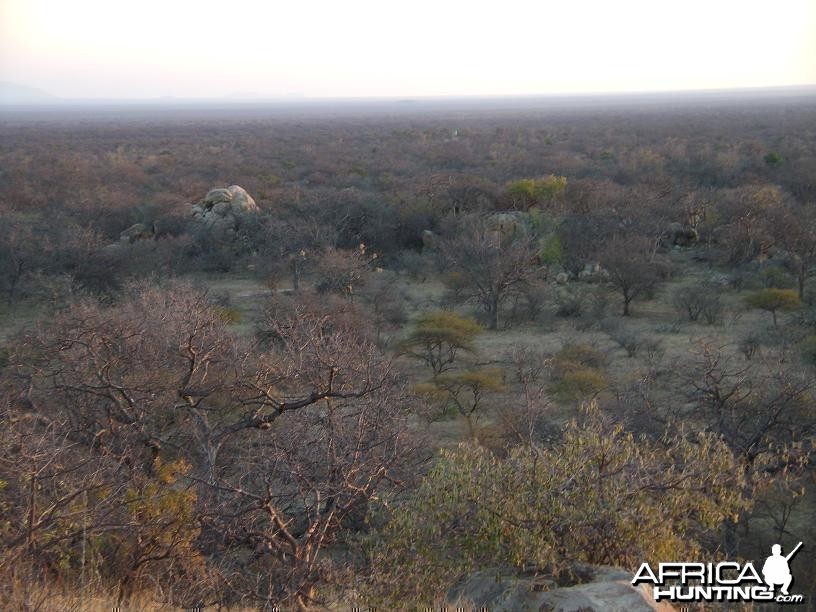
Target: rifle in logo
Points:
(776, 571)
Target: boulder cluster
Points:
(222, 210)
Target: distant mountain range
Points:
(13, 93)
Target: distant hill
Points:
(14, 93)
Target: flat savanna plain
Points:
(598, 267)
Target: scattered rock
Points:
(136, 232)
(562, 278)
(720, 279)
(680, 235)
(593, 273)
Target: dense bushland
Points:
(462, 340)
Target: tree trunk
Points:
(801, 277)
(15, 278)
(471, 428)
(730, 538)
(493, 312)
(295, 275)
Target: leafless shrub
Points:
(486, 265)
(526, 420)
(699, 301)
(385, 299)
(632, 269)
(629, 340)
(343, 272)
(177, 451)
(586, 307)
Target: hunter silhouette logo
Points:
(776, 570)
(727, 581)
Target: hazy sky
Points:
(191, 48)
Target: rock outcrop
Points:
(137, 232)
(223, 209)
(509, 223)
(600, 589)
(505, 227)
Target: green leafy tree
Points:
(774, 300)
(439, 336)
(773, 159)
(550, 250)
(527, 193)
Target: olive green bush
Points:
(599, 496)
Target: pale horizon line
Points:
(47, 98)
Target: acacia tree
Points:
(465, 391)
(53, 495)
(438, 337)
(580, 235)
(308, 476)
(385, 298)
(773, 300)
(277, 449)
(487, 263)
(699, 301)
